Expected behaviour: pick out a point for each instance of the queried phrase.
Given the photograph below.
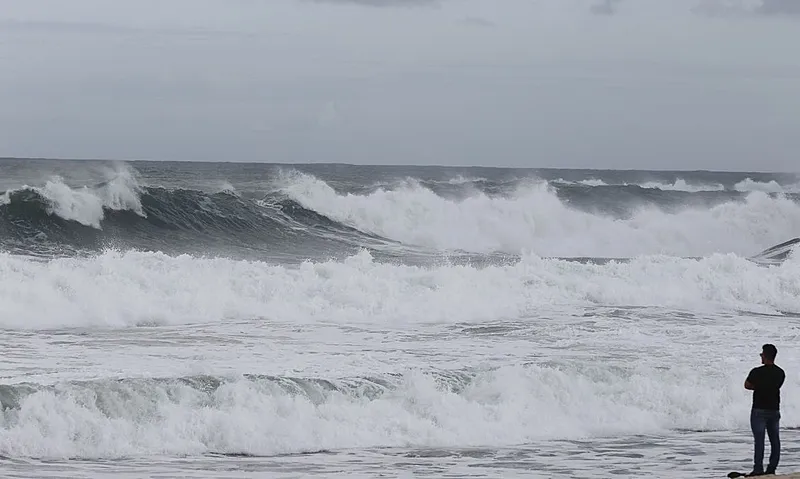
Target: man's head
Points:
(768, 353)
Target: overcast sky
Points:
(663, 84)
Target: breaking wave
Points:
(301, 216)
(566, 222)
(270, 415)
(124, 289)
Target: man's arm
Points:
(748, 383)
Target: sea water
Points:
(252, 320)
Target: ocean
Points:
(162, 319)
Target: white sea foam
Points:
(534, 219)
(225, 186)
(562, 374)
(746, 185)
(509, 406)
(593, 182)
(682, 185)
(123, 289)
(679, 185)
(767, 187)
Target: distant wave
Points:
(121, 213)
(680, 184)
(301, 216)
(564, 221)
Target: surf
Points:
(293, 216)
(269, 415)
(119, 289)
(534, 217)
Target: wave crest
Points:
(117, 289)
(535, 217)
(269, 415)
(301, 216)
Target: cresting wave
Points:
(302, 216)
(86, 206)
(746, 185)
(262, 415)
(121, 213)
(534, 217)
(116, 289)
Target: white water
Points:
(746, 185)
(533, 219)
(497, 357)
(119, 191)
(767, 187)
(432, 358)
(126, 289)
(565, 372)
(492, 357)
(508, 406)
(678, 185)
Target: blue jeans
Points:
(765, 420)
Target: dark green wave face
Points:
(177, 221)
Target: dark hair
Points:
(770, 351)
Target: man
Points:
(765, 382)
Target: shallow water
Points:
(593, 391)
(683, 454)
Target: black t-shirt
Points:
(767, 381)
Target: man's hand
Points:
(748, 385)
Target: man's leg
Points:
(758, 425)
(773, 426)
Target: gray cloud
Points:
(771, 7)
(380, 3)
(747, 7)
(304, 81)
(477, 22)
(83, 28)
(605, 7)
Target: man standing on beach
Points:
(765, 382)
